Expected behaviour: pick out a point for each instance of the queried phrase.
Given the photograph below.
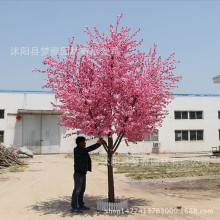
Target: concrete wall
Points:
(210, 105)
(210, 124)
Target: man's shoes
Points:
(77, 210)
(84, 208)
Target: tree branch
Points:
(119, 138)
(105, 147)
(119, 141)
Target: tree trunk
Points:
(111, 191)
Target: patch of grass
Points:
(102, 158)
(120, 158)
(167, 170)
(68, 156)
(18, 168)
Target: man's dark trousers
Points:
(79, 189)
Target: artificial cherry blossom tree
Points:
(108, 86)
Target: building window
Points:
(184, 115)
(2, 113)
(183, 135)
(1, 136)
(181, 114)
(196, 135)
(219, 134)
(178, 135)
(177, 115)
(218, 114)
(192, 135)
(153, 137)
(188, 114)
(199, 115)
(199, 135)
(195, 115)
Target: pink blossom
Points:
(114, 88)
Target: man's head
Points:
(81, 141)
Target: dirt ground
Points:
(44, 189)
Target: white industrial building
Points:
(27, 118)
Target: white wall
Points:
(210, 105)
(210, 124)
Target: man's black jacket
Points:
(82, 160)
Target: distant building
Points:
(27, 118)
(216, 79)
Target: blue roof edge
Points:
(210, 95)
(52, 92)
(26, 91)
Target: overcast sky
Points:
(191, 29)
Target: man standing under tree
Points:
(82, 164)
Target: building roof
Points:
(52, 92)
(216, 79)
(25, 91)
(203, 95)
